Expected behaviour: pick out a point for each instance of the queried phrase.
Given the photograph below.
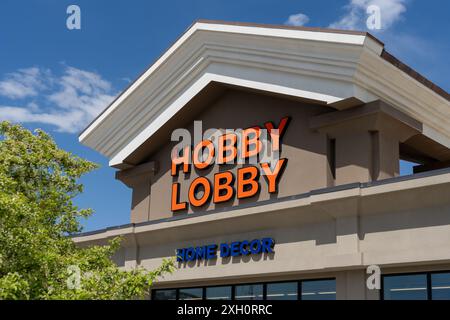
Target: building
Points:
(338, 206)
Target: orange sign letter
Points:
(177, 160)
(223, 186)
(227, 143)
(250, 137)
(272, 176)
(200, 181)
(248, 184)
(199, 149)
(276, 137)
(176, 205)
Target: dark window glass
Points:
(249, 292)
(319, 290)
(440, 286)
(191, 294)
(405, 287)
(331, 155)
(218, 293)
(282, 291)
(170, 294)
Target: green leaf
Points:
(38, 182)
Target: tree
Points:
(38, 259)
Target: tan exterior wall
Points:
(336, 232)
(398, 226)
(305, 150)
(367, 149)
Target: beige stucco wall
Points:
(403, 225)
(367, 148)
(332, 233)
(304, 149)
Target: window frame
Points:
(187, 288)
(234, 285)
(298, 282)
(263, 284)
(218, 286)
(428, 275)
(312, 280)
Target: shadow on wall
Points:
(310, 235)
(433, 212)
(300, 145)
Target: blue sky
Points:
(58, 79)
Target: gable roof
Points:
(324, 65)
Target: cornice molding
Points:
(326, 67)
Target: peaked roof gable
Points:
(327, 66)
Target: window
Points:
(249, 292)
(417, 286)
(440, 286)
(319, 290)
(287, 290)
(405, 287)
(190, 294)
(282, 291)
(218, 293)
(170, 294)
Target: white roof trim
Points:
(136, 84)
(355, 39)
(316, 65)
(284, 33)
(195, 89)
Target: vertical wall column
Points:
(353, 157)
(131, 252)
(347, 230)
(351, 285)
(139, 180)
(367, 140)
(345, 213)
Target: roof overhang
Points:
(326, 66)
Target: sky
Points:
(59, 79)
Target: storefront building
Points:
(344, 113)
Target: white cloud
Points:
(23, 83)
(68, 102)
(355, 18)
(298, 19)
(126, 79)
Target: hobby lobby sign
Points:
(257, 149)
